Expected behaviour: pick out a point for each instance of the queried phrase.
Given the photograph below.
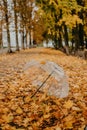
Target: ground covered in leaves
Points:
(18, 111)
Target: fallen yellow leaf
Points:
(27, 99)
(46, 116)
(68, 104)
(69, 125)
(43, 62)
(7, 118)
(58, 128)
(19, 110)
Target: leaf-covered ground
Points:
(18, 111)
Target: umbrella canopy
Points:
(48, 76)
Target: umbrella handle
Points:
(42, 84)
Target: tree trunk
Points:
(73, 40)
(86, 42)
(66, 35)
(16, 27)
(56, 45)
(1, 42)
(76, 37)
(26, 38)
(23, 39)
(26, 41)
(60, 38)
(8, 37)
(66, 40)
(7, 26)
(81, 36)
(30, 39)
(72, 44)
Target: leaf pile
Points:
(18, 111)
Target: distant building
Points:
(48, 44)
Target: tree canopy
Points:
(37, 20)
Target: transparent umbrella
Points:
(48, 76)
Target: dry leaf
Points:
(69, 118)
(7, 118)
(68, 113)
(46, 116)
(43, 62)
(68, 104)
(27, 99)
(58, 128)
(68, 125)
(76, 109)
(19, 110)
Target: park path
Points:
(3, 50)
(15, 84)
(12, 65)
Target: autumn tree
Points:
(38, 28)
(81, 28)
(1, 33)
(15, 5)
(1, 22)
(5, 4)
(62, 20)
(85, 21)
(26, 14)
